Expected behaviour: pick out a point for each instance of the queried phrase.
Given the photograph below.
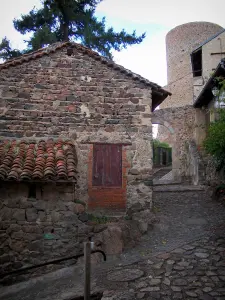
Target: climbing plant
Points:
(214, 143)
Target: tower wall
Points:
(180, 42)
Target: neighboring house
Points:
(205, 59)
(207, 100)
(194, 51)
(75, 128)
(208, 96)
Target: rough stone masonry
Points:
(70, 92)
(78, 96)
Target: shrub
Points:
(214, 143)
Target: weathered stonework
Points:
(63, 96)
(83, 99)
(179, 126)
(41, 228)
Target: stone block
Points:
(13, 228)
(41, 216)
(18, 246)
(36, 246)
(111, 240)
(19, 214)
(4, 259)
(55, 216)
(39, 205)
(69, 216)
(17, 235)
(112, 121)
(134, 171)
(25, 203)
(12, 202)
(24, 95)
(3, 238)
(32, 229)
(83, 217)
(31, 214)
(39, 86)
(148, 182)
(79, 208)
(5, 214)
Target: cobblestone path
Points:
(183, 257)
(194, 271)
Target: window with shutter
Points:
(107, 165)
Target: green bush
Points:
(157, 143)
(214, 143)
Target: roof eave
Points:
(158, 97)
(208, 40)
(206, 94)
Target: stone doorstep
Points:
(178, 188)
(159, 182)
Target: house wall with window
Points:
(211, 54)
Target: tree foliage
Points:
(6, 52)
(157, 143)
(214, 143)
(74, 20)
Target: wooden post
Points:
(87, 271)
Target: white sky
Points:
(154, 17)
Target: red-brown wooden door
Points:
(107, 165)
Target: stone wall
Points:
(76, 96)
(44, 221)
(39, 223)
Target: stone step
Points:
(178, 188)
(161, 172)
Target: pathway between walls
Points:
(182, 258)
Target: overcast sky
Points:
(155, 18)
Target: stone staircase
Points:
(161, 172)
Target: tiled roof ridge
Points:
(37, 160)
(59, 45)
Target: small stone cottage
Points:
(75, 134)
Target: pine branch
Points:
(75, 20)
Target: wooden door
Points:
(107, 165)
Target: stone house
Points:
(75, 133)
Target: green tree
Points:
(157, 143)
(74, 20)
(6, 52)
(214, 143)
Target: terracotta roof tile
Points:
(37, 160)
(57, 46)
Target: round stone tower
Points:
(180, 42)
